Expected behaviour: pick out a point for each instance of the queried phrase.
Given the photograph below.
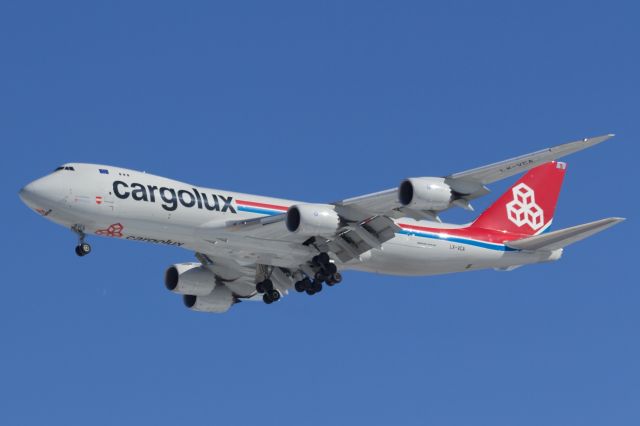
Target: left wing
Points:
(352, 238)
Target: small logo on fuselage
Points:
(171, 198)
(114, 230)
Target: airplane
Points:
(252, 247)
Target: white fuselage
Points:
(138, 206)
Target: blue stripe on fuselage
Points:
(258, 210)
(490, 246)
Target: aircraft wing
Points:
(466, 185)
(503, 169)
(349, 242)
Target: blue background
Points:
(319, 101)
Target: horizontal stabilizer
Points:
(563, 237)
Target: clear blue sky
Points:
(318, 102)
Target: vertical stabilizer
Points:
(529, 205)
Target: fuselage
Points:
(137, 206)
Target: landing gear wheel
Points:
(302, 285)
(314, 287)
(331, 269)
(264, 286)
(320, 276)
(268, 285)
(271, 296)
(334, 279)
(274, 295)
(83, 249)
(323, 258)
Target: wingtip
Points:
(612, 221)
(598, 139)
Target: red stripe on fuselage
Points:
(262, 205)
(488, 235)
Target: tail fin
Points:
(528, 206)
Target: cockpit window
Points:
(59, 168)
(65, 168)
(70, 168)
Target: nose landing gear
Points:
(83, 248)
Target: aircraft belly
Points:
(407, 255)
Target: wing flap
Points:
(357, 238)
(563, 237)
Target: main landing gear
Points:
(311, 277)
(269, 293)
(83, 248)
(325, 271)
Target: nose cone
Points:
(39, 194)
(29, 194)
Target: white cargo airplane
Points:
(251, 247)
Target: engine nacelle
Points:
(312, 219)
(219, 301)
(425, 193)
(189, 278)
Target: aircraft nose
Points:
(28, 194)
(38, 193)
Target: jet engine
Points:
(425, 193)
(189, 278)
(218, 301)
(312, 219)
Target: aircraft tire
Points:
(323, 259)
(331, 269)
(274, 295)
(300, 286)
(85, 248)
